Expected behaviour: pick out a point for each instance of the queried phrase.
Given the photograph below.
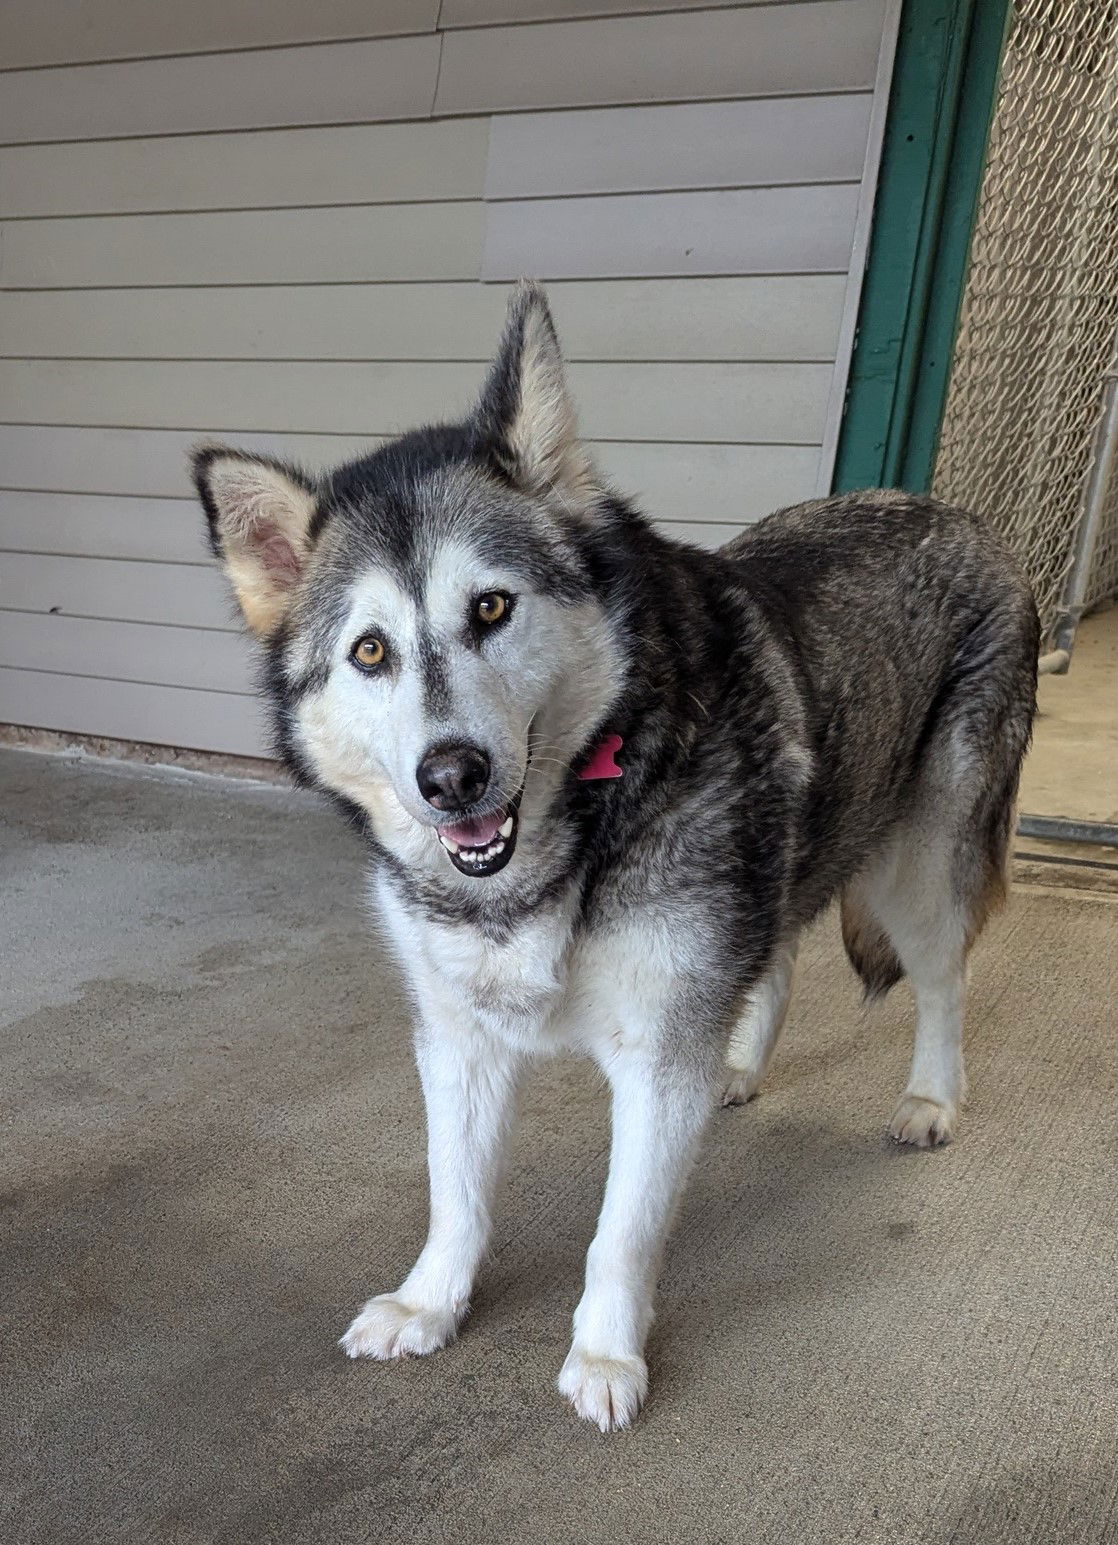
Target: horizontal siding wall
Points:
(762, 50)
(771, 317)
(73, 31)
(296, 226)
(734, 483)
(780, 402)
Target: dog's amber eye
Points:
(491, 607)
(368, 652)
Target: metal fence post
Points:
(1058, 658)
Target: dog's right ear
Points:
(525, 415)
(259, 514)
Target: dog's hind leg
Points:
(926, 898)
(902, 916)
(927, 1111)
(944, 869)
(755, 1034)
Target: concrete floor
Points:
(1072, 769)
(212, 1150)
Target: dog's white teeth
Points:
(506, 829)
(473, 855)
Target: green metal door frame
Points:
(941, 102)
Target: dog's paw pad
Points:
(924, 1123)
(388, 1327)
(608, 1391)
(741, 1085)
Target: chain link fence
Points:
(1039, 318)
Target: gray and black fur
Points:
(835, 704)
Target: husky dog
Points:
(468, 636)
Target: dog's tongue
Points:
(478, 833)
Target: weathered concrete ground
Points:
(212, 1150)
(1072, 769)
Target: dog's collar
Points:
(601, 762)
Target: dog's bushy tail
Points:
(868, 948)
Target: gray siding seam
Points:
(406, 203)
(138, 681)
(449, 117)
(313, 284)
(437, 29)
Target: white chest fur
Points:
(515, 988)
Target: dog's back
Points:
(915, 637)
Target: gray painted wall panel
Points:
(732, 483)
(35, 32)
(286, 246)
(710, 317)
(192, 394)
(758, 230)
(768, 50)
(687, 482)
(275, 87)
(700, 535)
(144, 462)
(823, 45)
(685, 145)
(102, 526)
(128, 651)
(775, 317)
(166, 716)
(179, 594)
(736, 402)
(274, 169)
(480, 13)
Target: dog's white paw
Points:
(741, 1085)
(388, 1327)
(608, 1391)
(924, 1123)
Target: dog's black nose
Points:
(453, 777)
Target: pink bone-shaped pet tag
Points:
(601, 763)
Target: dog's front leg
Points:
(659, 1108)
(469, 1082)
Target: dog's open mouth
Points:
(484, 844)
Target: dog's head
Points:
(440, 640)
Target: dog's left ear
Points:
(525, 414)
(259, 514)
